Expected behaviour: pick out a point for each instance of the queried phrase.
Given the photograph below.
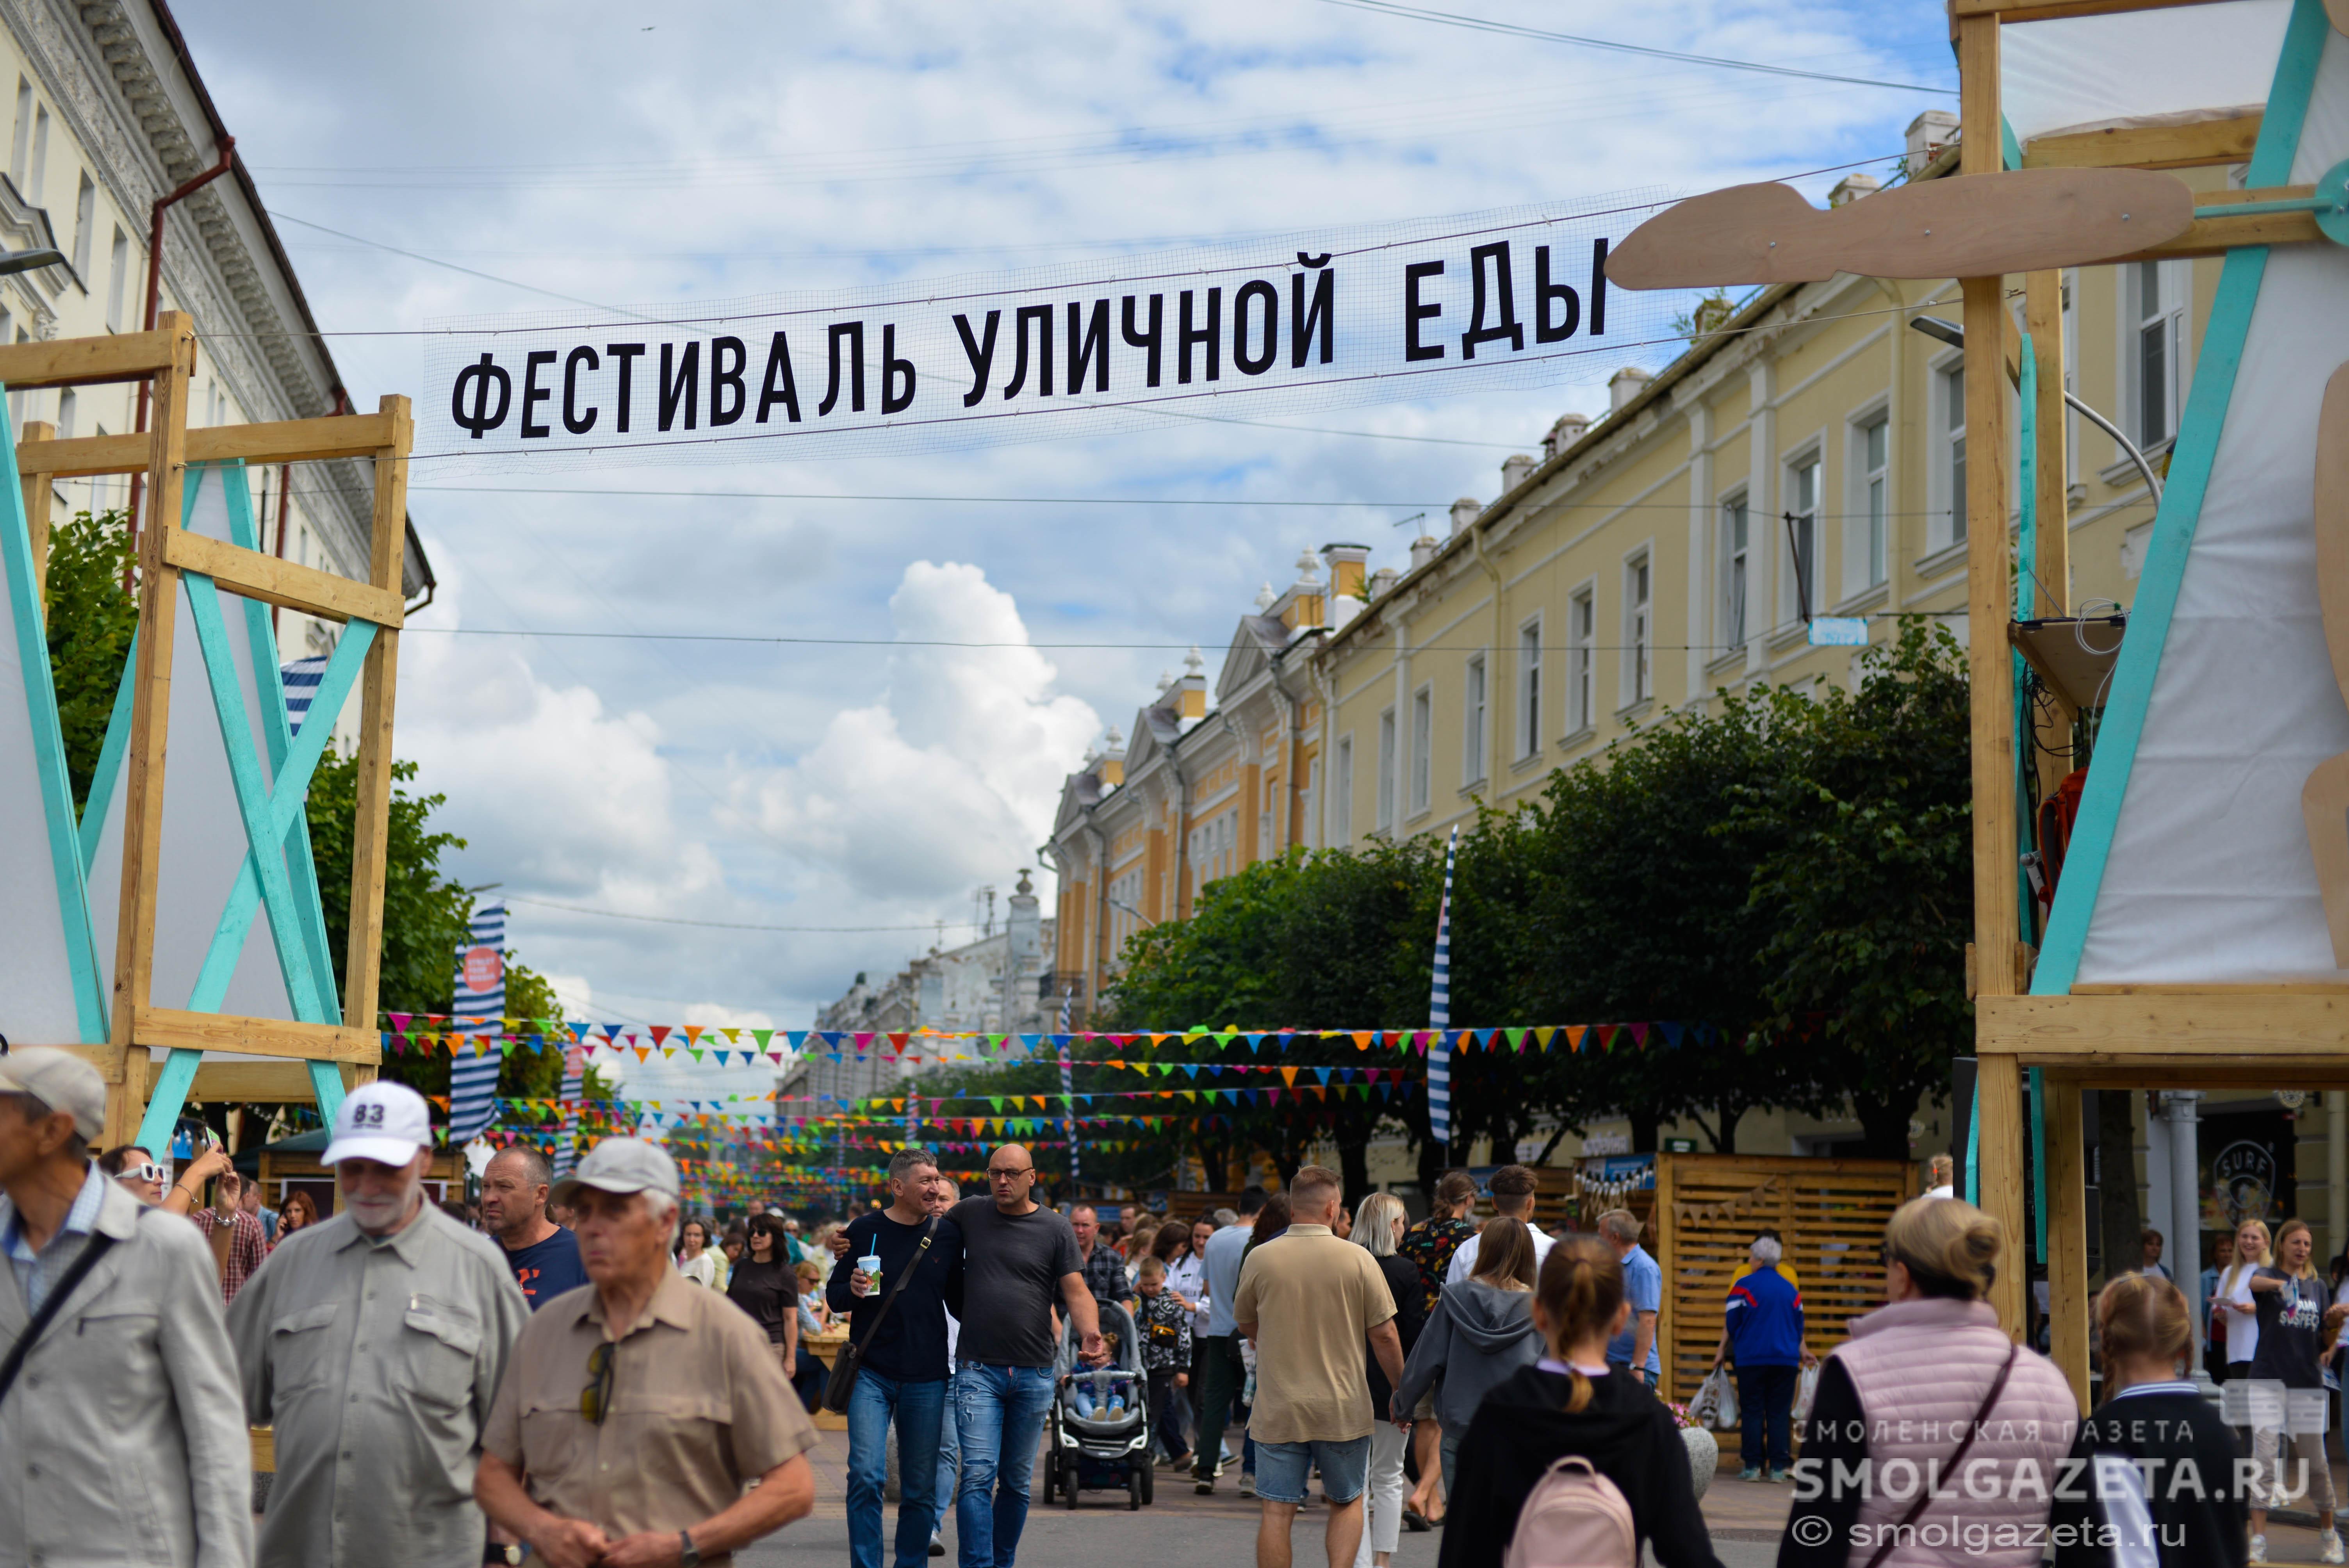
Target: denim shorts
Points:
(1283, 1468)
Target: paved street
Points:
(1221, 1530)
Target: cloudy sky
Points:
(859, 794)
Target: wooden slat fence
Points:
(1830, 1213)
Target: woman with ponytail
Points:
(1570, 1403)
(1929, 1384)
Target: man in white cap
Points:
(121, 1439)
(683, 1404)
(374, 1343)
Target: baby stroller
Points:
(1097, 1429)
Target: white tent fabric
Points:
(2081, 71)
(2210, 877)
(203, 841)
(37, 1000)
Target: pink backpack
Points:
(1573, 1517)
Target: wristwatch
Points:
(688, 1552)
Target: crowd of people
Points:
(577, 1369)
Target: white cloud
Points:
(950, 777)
(839, 786)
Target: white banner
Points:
(1274, 325)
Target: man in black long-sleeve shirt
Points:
(903, 1367)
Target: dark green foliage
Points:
(90, 620)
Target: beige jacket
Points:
(123, 1442)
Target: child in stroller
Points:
(1098, 1429)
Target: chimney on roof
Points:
(1624, 385)
(1929, 133)
(1350, 566)
(1569, 428)
(1851, 187)
(1304, 604)
(1113, 758)
(1191, 691)
(1514, 469)
(1381, 580)
(1422, 550)
(1464, 511)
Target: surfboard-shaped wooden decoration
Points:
(1970, 226)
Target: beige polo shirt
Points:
(1313, 1299)
(698, 1407)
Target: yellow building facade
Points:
(1801, 458)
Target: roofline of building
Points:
(1700, 352)
(186, 59)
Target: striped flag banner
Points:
(1439, 1012)
(480, 1009)
(302, 677)
(574, 1090)
(1067, 1088)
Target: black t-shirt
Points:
(2290, 1321)
(910, 1345)
(547, 1269)
(770, 1292)
(1012, 1269)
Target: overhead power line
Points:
(731, 925)
(1512, 29)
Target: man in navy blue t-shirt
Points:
(544, 1257)
(902, 1363)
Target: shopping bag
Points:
(1715, 1404)
(1807, 1388)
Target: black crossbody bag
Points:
(850, 1359)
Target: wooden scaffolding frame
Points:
(2118, 1036)
(140, 1107)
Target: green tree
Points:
(1638, 908)
(1867, 894)
(90, 620)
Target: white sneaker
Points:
(2330, 1541)
(2258, 1548)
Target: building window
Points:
(20, 147)
(85, 220)
(1341, 793)
(1307, 798)
(1798, 596)
(1953, 469)
(1530, 662)
(1874, 449)
(1386, 771)
(1422, 737)
(68, 413)
(1472, 722)
(1581, 661)
(2156, 346)
(1736, 554)
(1638, 666)
(115, 285)
(36, 177)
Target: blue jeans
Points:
(1000, 1413)
(950, 1461)
(1765, 1410)
(918, 1408)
